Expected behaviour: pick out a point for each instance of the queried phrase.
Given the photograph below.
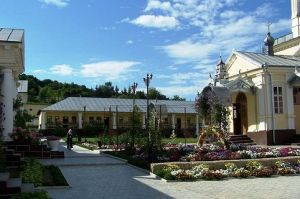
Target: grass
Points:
(164, 140)
(180, 140)
(34, 172)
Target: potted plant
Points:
(53, 142)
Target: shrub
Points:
(253, 166)
(284, 168)
(169, 176)
(230, 167)
(263, 172)
(32, 172)
(212, 175)
(184, 176)
(241, 173)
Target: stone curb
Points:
(89, 164)
(52, 187)
(114, 157)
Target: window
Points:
(91, 118)
(121, 120)
(98, 119)
(56, 119)
(296, 94)
(73, 119)
(278, 100)
(49, 119)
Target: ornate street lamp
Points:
(133, 87)
(147, 80)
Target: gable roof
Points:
(275, 60)
(77, 104)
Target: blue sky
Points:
(90, 42)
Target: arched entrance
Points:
(240, 115)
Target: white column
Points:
(114, 121)
(8, 93)
(144, 121)
(173, 121)
(261, 108)
(295, 18)
(290, 105)
(197, 124)
(79, 120)
(42, 120)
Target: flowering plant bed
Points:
(204, 172)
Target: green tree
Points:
(178, 98)
(153, 93)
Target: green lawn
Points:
(180, 140)
(164, 140)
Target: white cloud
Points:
(152, 21)
(107, 28)
(189, 50)
(129, 42)
(155, 4)
(108, 69)
(58, 3)
(39, 71)
(62, 69)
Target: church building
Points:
(265, 88)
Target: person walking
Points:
(69, 139)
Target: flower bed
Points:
(218, 164)
(205, 172)
(213, 152)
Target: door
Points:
(237, 130)
(106, 123)
(178, 123)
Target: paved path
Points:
(97, 176)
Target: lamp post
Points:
(84, 109)
(133, 87)
(147, 80)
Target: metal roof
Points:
(11, 35)
(274, 60)
(90, 104)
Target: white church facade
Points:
(265, 88)
(11, 65)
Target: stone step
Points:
(27, 187)
(4, 177)
(13, 157)
(14, 182)
(242, 141)
(241, 138)
(9, 151)
(13, 186)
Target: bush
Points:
(241, 173)
(169, 176)
(212, 175)
(184, 176)
(32, 172)
(35, 195)
(263, 172)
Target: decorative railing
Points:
(283, 39)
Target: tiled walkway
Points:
(98, 176)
